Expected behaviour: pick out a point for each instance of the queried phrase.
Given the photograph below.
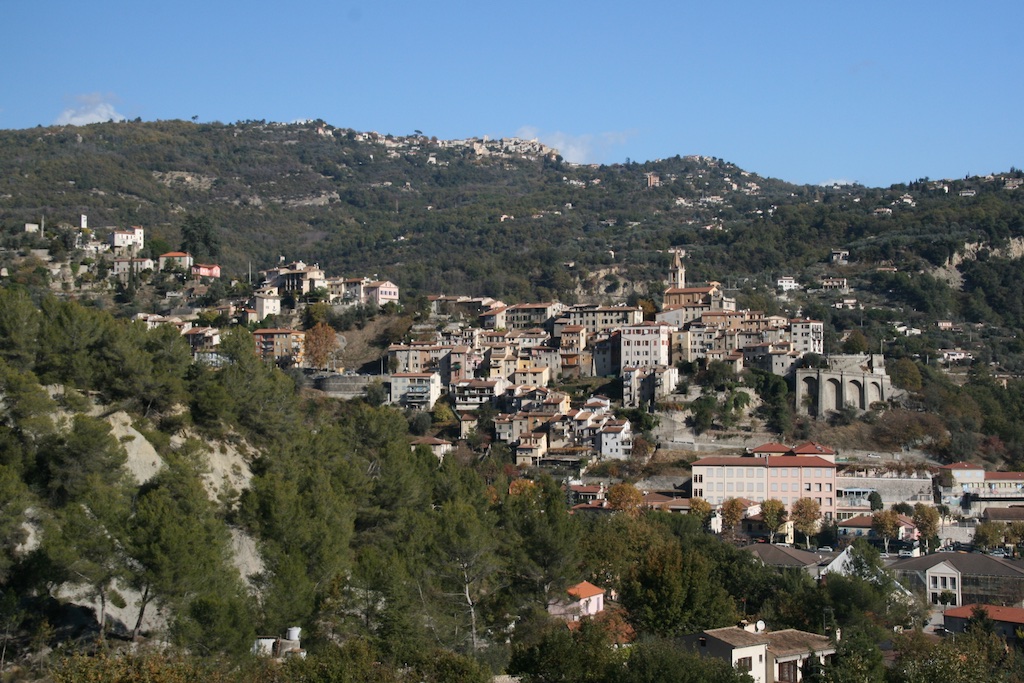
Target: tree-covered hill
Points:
(498, 218)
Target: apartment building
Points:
(786, 478)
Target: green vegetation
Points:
(398, 568)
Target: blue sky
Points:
(809, 92)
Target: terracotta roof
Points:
(858, 522)
(772, 448)
(812, 448)
(961, 466)
(1004, 476)
(584, 590)
(1013, 615)
(864, 522)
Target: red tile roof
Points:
(798, 461)
(771, 448)
(1004, 476)
(961, 466)
(584, 590)
(813, 448)
(1013, 615)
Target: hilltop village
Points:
(499, 367)
(730, 478)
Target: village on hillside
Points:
(523, 376)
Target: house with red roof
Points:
(584, 600)
(861, 525)
(179, 260)
(770, 448)
(1008, 620)
(205, 270)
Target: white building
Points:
(787, 283)
(131, 240)
(645, 344)
(614, 440)
(419, 390)
(267, 305)
(807, 336)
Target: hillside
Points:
(499, 218)
(151, 499)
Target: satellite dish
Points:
(759, 625)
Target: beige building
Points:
(280, 345)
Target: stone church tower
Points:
(677, 273)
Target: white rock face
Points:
(143, 461)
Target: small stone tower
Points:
(677, 273)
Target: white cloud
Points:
(588, 148)
(91, 108)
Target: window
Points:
(787, 672)
(745, 663)
(775, 486)
(750, 473)
(952, 582)
(807, 486)
(817, 472)
(698, 478)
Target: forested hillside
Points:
(396, 567)
(436, 216)
(319, 514)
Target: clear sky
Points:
(809, 92)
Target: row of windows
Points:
(785, 500)
(784, 472)
(796, 487)
(944, 582)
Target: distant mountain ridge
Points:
(497, 217)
